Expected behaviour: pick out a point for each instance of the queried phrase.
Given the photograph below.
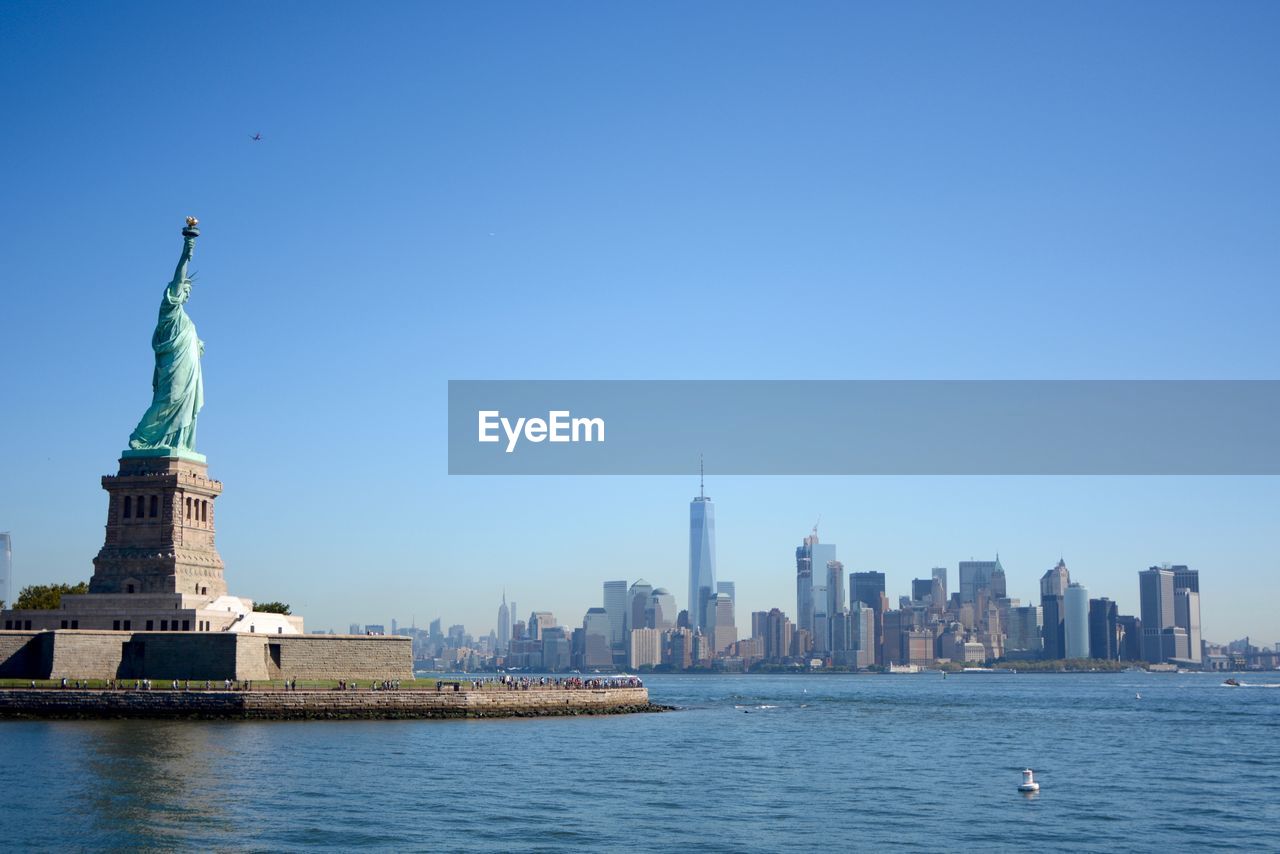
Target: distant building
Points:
(1129, 637)
(596, 652)
(778, 631)
(976, 575)
(1053, 633)
(1076, 621)
(645, 648)
(540, 620)
(679, 646)
(638, 606)
(504, 625)
(615, 605)
(1186, 607)
(661, 612)
(557, 648)
(1104, 629)
(1155, 596)
(702, 556)
(1023, 640)
(724, 632)
(1053, 591)
(940, 586)
(804, 582)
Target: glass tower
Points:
(702, 558)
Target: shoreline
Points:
(107, 704)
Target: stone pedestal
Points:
(160, 526)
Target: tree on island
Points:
(47, 597)
(272, 608)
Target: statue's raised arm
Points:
(189, 235)
(169, 424)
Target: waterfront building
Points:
(1156, 601)
(1022, 639)
(1104, 629)
(645, 648)
(702, 555)
(1053, 631)
(1186, 607)
(1129, 637)
(1075, 621)
(1053, 591)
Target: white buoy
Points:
(1028, 784)
(1137, 696)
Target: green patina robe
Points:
(177, 385)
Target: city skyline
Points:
(1066, 604)
(955, 213)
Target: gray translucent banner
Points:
(864, 427)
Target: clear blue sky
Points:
(712, 190)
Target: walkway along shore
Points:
(320, 704)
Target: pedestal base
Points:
(163, 453)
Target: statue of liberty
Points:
(177, 387)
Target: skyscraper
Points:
(1053, 590)
(1155, 595)
(723, 632)
(1054, 582)
(638, 606)
(1054, 639)
(975, 575)
(777, 636)
(804, 582)
(1023, 638)
(1186, 607)
(940, 586)
(867, 588)
(862, 635)
(661, 612)
(596, 626)
(1104, 629)
(1075, 622)
(504, 624)
(702, 555)
(615, 605)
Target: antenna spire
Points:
(702, 489)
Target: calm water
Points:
(753, 763)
